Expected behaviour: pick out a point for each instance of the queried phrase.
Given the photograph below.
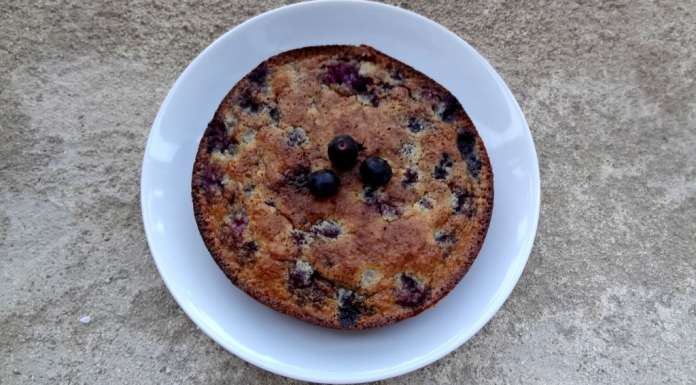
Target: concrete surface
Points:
(608, 297)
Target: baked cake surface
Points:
(367, 256)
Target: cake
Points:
(369, 250)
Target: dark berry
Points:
(410, 177)
(466, 143)
(248, 102)
(463, 202)
(375, 171)
(415, 125)
(346, 74)
(425, 203)
(327, 229)
(343, 152)
(218, 138)
(297, 137)
(247, 251)
(300, 275)
(448, 108)
(442, 169)
(370, 98)
(396, 74)
(210, 179)
(238, 223)
(445, 238)
(411, 293)
(300, 238)
(297, 177)
(323, 183)
(350, 308)
(258, 74)
(388, 210)
(274, 113)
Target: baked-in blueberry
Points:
(298, 177)
(258, 75)
(346, 74)
(218, 139)
(411, 293)
(300, 275)
(425, 203)
(327, 229)
(442, 168)
(247, 251)
(238, 222)
(274, 113)
(210, 178)
(447, 108)
(323, 183)
(375, 171)
(410, 177)
(415, 125)
(297, 137)
(445, 238)
(343, 152)
(350, 307)
(248, 102)
(463, 202)
(466, 144)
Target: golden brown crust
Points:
(365, 257)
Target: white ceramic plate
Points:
(277, 342)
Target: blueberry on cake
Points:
(343, 187)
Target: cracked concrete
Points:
(608, 296)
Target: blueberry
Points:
(411, 293)
(274, 113)
(388, 210)
(415, 125)
(375, 171)
(323, 183)
(217, 137)
(297, 177)
(247, 251)
(350, 307)
(442, 169)
(466, 144)
(425, 203)
(210, 179)
(343, 152)
(463, 202)
(297, 137)
(248, 102)
(238, 223)
(327, 229)
(300, 238)
(258, 74)
(369, 98)
(300, 275)
(346, 74)
(410, 177)
(445, 238)
(448, 108)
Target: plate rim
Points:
(510, 282)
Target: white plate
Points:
(277, 342)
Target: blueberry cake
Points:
(343, 187)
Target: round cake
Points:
(368, 252)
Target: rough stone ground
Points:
(608, 296)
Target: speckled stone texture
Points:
(608, 296)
